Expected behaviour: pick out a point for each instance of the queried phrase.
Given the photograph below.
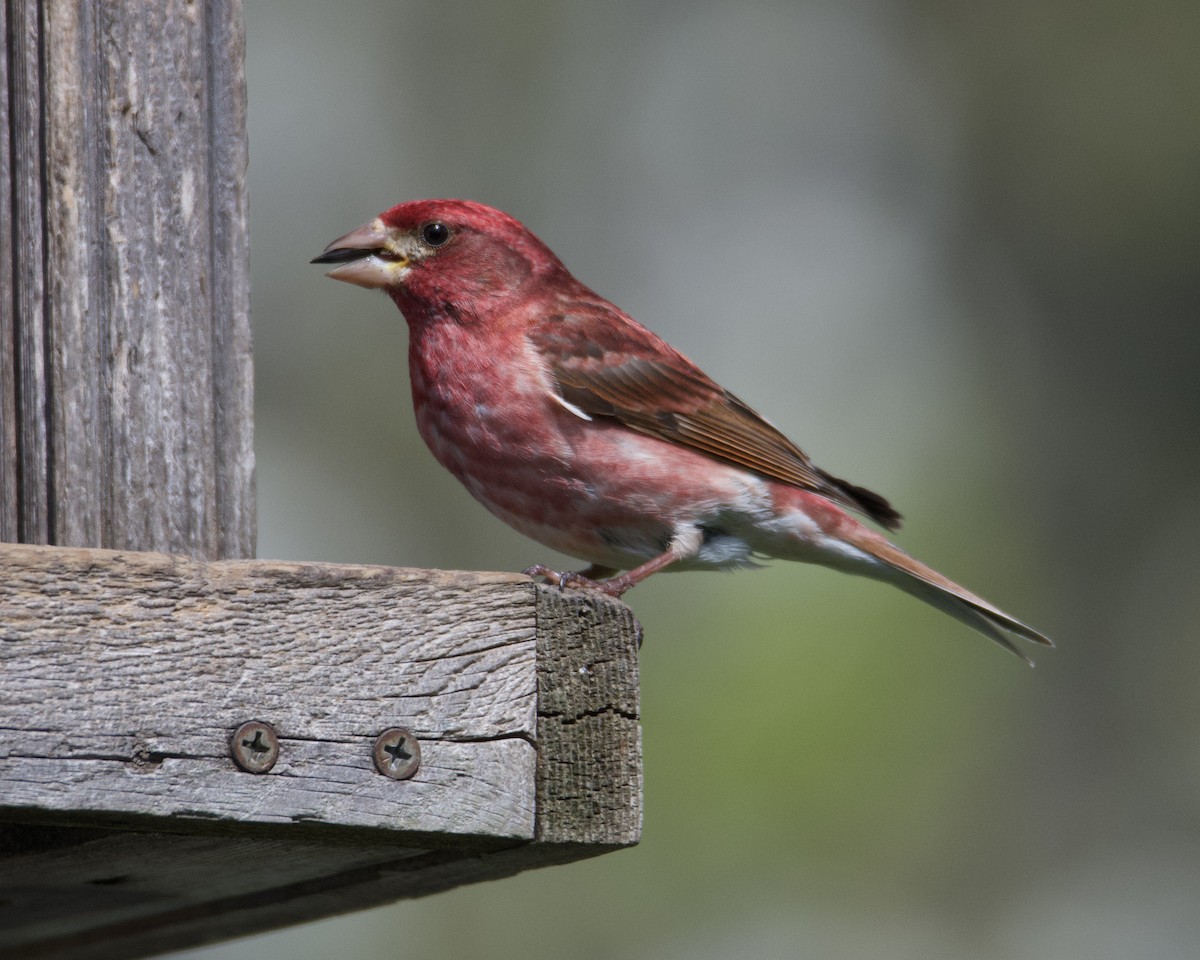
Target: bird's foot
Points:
(583, 580)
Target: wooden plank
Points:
(132, 879)
(228, 281)
(10, 528)
(129, 423)
(23, 282)
(123, 674)
(588, 721)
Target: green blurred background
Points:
(954, 251)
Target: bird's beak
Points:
(368, 257)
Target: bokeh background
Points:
(953, 250)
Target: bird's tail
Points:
(909, 574)
(819, 531)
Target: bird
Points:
(585, 431)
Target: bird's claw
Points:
(552, 577)
(568, 578)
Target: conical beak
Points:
(367, 257)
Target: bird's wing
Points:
(607, 365)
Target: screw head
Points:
(254, 746)
(397, 753)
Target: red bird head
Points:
(443, 255)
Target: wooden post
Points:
(126, 415)
(129, 823)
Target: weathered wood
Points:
(125, 419)
(588, 720)
(9, 526)
(123, 675)
(126, 828)
(22, 282)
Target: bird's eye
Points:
(435, 234)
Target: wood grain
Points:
(125, 419)
(26, 443)
(122, 676)
(125, 674)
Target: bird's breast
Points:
(482, 409)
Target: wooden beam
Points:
(123, 676)
(126, 409)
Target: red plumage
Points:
(582, 429)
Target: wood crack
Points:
(609, 711)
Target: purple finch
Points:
(580, 428)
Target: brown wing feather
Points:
(610, 366)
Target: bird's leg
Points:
(684, 545)
(615, 586)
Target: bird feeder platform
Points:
(196, 750)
